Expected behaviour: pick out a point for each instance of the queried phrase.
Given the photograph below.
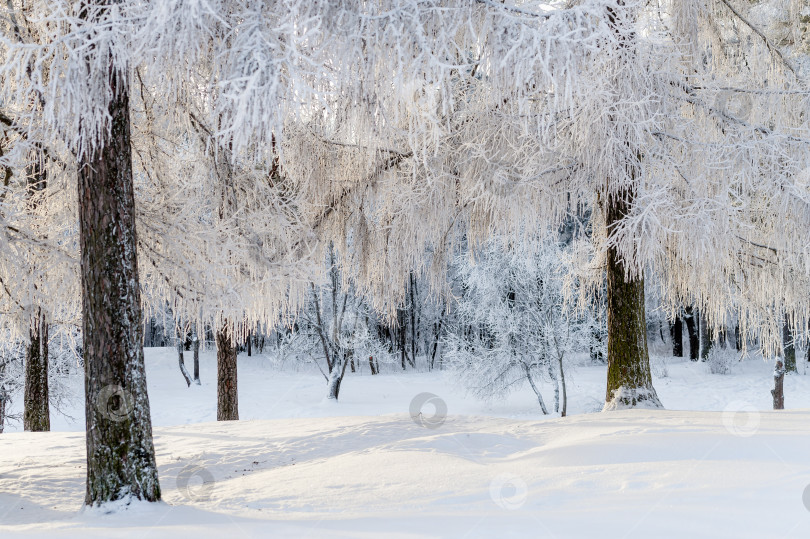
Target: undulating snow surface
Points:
(297, 466)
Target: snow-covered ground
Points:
(717, 463)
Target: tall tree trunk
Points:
(629, 382)
(705, 338)
(790, 348)
(677, 337)
(691, 331)
(227, 395)
(249, 350)
(120, 453)
(36, 413)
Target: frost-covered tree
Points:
(526, 114)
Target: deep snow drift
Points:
(297, 466)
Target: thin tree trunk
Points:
(554, 380)
(249, 351)
(3, 400)
(413, 319)
(677, 337)
(400, 319)
(564, 409)
(182, 362)
(120, 452)
(691, 331)
(195, 344)
(36, 413)
(528, 372)
(227, 394)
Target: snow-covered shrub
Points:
(721, 359)
(512, 324)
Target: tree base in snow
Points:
(626, 398)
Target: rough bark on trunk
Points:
(120, 452)
(677, 337)
(691, 331)
(790, 349)
(36, 413)
(778, 391)
(227, 395)
(371, 365)
(629, 382)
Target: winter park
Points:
(405, 268)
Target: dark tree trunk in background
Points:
(629, 382)
(195, 346)
(36, 414)
(778, 391)
(790, 349)
(737, 337)
(401, 328)
(705, 338)
(691, 331)
(249, 351)
(120, 453)
(677, 337)
(227, 396)
(371, 365)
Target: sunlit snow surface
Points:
(297, 466)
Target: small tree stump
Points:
(778, 392)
